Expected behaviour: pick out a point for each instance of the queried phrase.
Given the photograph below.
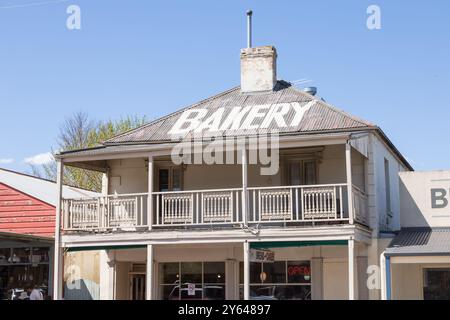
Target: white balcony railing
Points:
(314, 203)
(197, 207)
(105, 212)
(286, 204)
(360, 206)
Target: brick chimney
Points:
(258, 69)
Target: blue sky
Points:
(153, 57)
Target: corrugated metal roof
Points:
(420, 241)
(148, 147)
(44, 190)
(320, 117)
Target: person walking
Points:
(36, 294)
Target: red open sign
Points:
(298, 270)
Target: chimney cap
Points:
(249, 12)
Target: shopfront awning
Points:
(26, 238)
(420, 242)
(96, 248)
(287, 244)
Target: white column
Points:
(150, 193)
(246, 270)
(244, 186)
(105, 183)
(383, 276)
(348, 167)
(230, 280)
(317, 278)
(58, 254)
(107, 275)
(150, 274)
(351, 269)
(361, 277)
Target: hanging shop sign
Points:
(259, 255)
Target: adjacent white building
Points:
(417, 261)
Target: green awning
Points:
(95, 248)
(287, 244)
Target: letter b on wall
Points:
(438, 198)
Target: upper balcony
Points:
(289, 205)
(312, 187)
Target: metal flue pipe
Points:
(249, 28)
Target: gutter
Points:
(391, 145)
(148, 147)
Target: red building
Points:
(27, 226)
(24, 214)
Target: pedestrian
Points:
(36, 294)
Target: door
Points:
(169, 179)
(301, 172)
(137, 286)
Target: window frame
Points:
(301, 161)
(428, 267)
(170, 169)
(180, 283)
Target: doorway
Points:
(301, 172)
(169, 179)
(137, 287)
(137, 278)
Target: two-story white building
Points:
(225, 230)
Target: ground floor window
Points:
(22, 269)
(436, 284)
(192, 280)
(22, 278)
(279, 280)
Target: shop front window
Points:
(192, 281)
(279, 280)
(23, 268)
(436, 284)
(5, 255)
(39, 255)
(20, 255)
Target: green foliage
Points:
(80, 132)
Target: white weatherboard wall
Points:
(380, 153)
(127, 176)
(375, 186)
(130, 175)
(332, 166)
(416, 201)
